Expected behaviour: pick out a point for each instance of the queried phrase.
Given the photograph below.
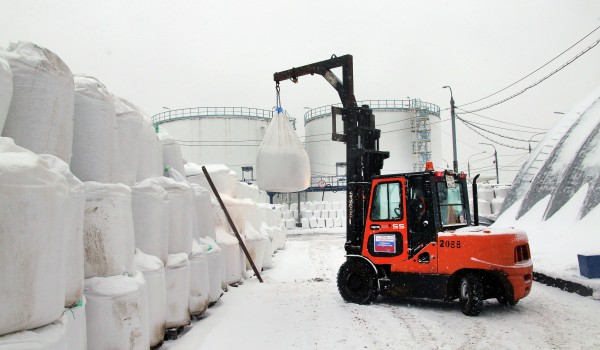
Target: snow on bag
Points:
(114, 318)
(177, 279)
(219, 174)
(50, 337)
(215, 261)
(154, 274)
(282, 162)
(108, 230)
(6, 86)
(76, 325)
(95, 138)
(129, 131)
(199, 280)
(171, 152)
(150, 211)
(150, 155)
(41, 111)
(73, 231)
(33, 200)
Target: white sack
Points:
(73, 231)
(33, 200)
(150, 155)
(199, 280)
(484, 207)
(108, 230)
(150, 210)
(181, 214)
(497, 204)
(143, 304)
(129, 131)
(203, 214)
(114, 319)
(219, 174)
(40, 117)
(178, 290)
(50, 337)
(215, 260)
(154, 274)
(232, 255)
(171, 152)
(76, 326)
(6, 86)
(282, 162)
(95, 138)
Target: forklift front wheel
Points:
(356, 282)
(471, 294)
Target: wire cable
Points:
(491, 132)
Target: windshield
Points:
(452, 208)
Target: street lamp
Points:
(453, 117)
(532, 136)
(469, 162)
(495, 160)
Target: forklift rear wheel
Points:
(471, 294)
(356, 282)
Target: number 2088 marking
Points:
(449, 244)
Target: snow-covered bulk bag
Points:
(214, 256)
(497, 204)
(50, 337)
(107, 230)
(143, 303)
(114, 318)
(177, 274)
(150, 210)
(485, 193)
(171, 152)
(154, 274)
(129, 131)
(233, 183)
(150, 156)
(73, 231)
(32, 201)
(484, 207)
(181, 214)
(232, 255)
(6, 86)
(94, 131)
(40, 117)
(219, 174)
(501, 191)
(282, 162)
(204, 221)
(76, 326)
(199, 280)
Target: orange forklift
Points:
(411, 234)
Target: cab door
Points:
(386, 229)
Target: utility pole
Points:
(495, 160)
(453, 117)
(469, 163)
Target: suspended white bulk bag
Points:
(215, 260)
(154, 274)
(40, 117)
(171, 152)
(50, 337)
(76, 325)
(150, 210)
(199, 280)
(33, 200)
(129, 131)
(95, 139)
(6, 86)
(181, 214)
(177, 274)
(108, 230)
(143, 304)
(114, 319)
(282, 162)
(204, 223)
(73, 231)
(150, 155)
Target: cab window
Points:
(452, 208)
(387, 202)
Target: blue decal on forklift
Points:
(384, 243)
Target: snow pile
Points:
(50, 337)
(6, 86)
(178, 290)
(150, 155)
(171, 152)
(129, 131)
(282, 162)
(150, 211)
(94, 131)
(154, 274)
(40, 117)
(199, 280)
(33, 199)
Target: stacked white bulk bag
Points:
(114, 313)
(181, 215)
(150, 155)
(199, 280)
(73, 231)
(205, 225)
(6, 86)
(150, 210)
(50, 337)
(215, 261)
(95, 138)
(171, 152)
(219, 174)
(143, 304)
(108, 230)
(177, 277)
(282, 162)
(129, 131)
(230, 246)
(33, 201)
(154, 274)
(76, 326)
(40, 117)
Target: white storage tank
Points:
(218, 135)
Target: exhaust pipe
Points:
(475, 202)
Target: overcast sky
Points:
(180, 54)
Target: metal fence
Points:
(215, 112)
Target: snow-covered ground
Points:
(298, 307)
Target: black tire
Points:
(471, 294)
(356, 282)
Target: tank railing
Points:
(215, 112)
(430, 108)
(324, 180)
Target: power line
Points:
(491, 132)
(528, 75)
(503, 122)
(494, 141)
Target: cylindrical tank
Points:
(218, 135)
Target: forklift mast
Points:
(363, 157)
